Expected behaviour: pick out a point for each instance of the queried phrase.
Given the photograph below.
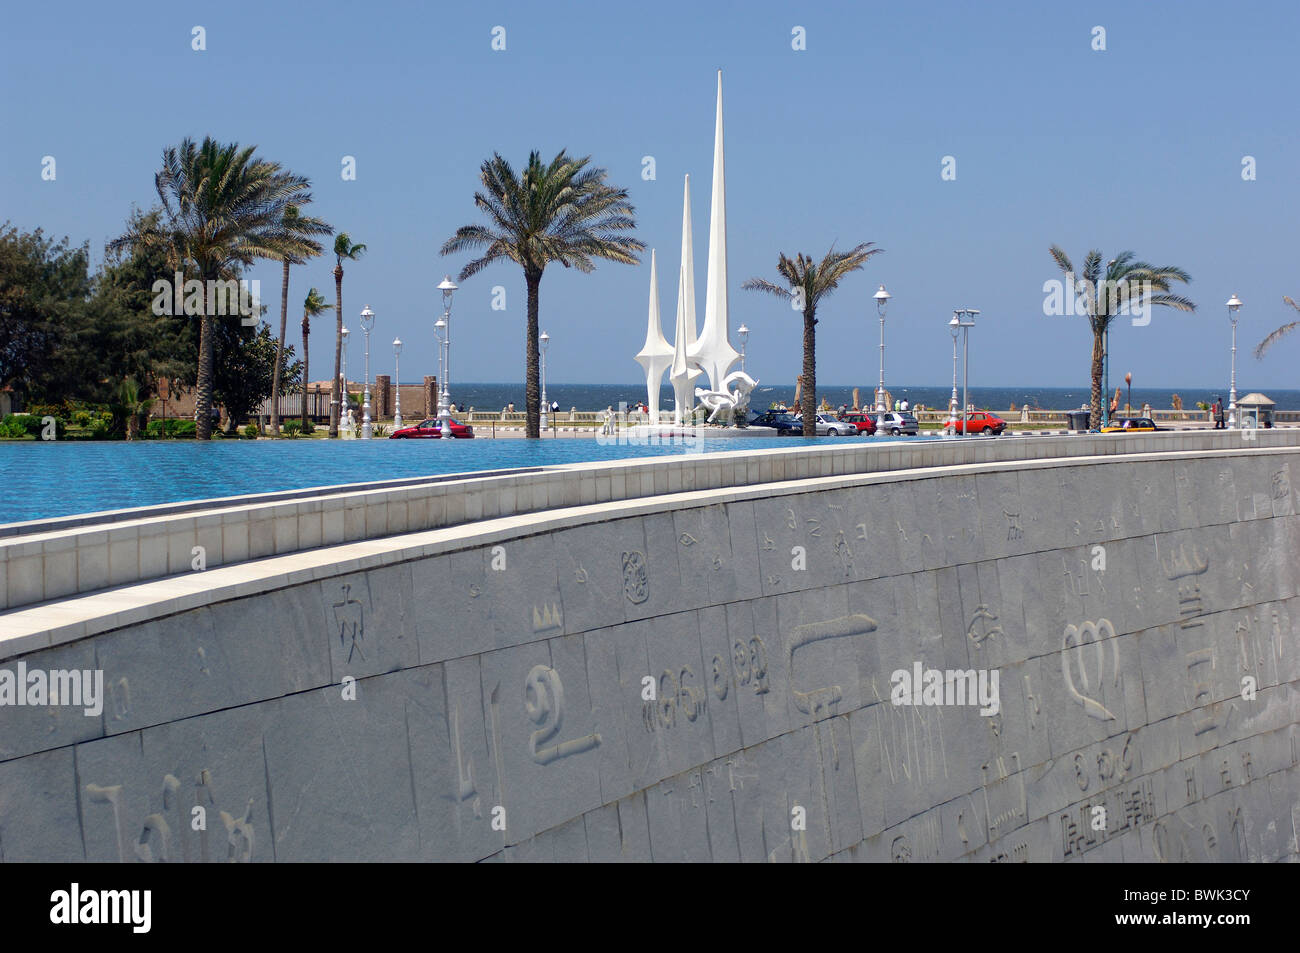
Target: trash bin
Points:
(1079, 419)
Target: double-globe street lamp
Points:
(882, 301)
(1234, 305)
(367, 325)
(965, 325)
(443, 329)
(544, 340)
(397, 383)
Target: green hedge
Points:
(171, 427)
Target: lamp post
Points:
(966, 325)
(440, 333)
(1234, 305)
(343, 411)
(367, 325)
(882, 301)
(1128, 399)
(953, 326)
(397, 383)
(448, 288)
(744, 336)
(544, 340)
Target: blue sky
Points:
(1136, 147)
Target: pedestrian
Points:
(1217, 410)
(904, 405)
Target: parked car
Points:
(896, 424)
(432, 428)
(977, 421)
(865, 423)
(786, 425)
(1131, 425)
(828, 425)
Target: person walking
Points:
(1217, 410)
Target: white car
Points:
(828, 426)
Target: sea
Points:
(493, 397)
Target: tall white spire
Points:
(656, 355)
(713, 351)
(687, 276)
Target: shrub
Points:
(171, 427)
(378, 430)
(250, 431)
(32, 425)
(81, 418)
(292, 428)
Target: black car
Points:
(786, 425)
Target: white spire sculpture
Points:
(713, 351)
(656, 355)
(684, 371)
(687, 276)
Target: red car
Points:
(978, 421)
(432, 428)
(865, 423)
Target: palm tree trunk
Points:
(533, 390)
(203, 386)
(336, 408)
(809, 395)
(306, 377)
(279, 352)
(1098, 350)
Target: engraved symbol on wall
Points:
(548, 617)
(1101, 635)
(162, 832)
(636, 580)
(1014, 529)
(1281, 486)
(1006, 795)
(349, 616)
(544, 702)
(982, 626)
(825, 698)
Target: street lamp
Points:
(744, 336)
(1128, 400)
(1234, 305)
(347, 405)
(544, 340)
(397, 383)
(448, 288)
(440, 332)
(957, 322)
(882, 301)
(953, 326)
(367, 325)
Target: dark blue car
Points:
(785, 425)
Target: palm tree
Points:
(810, 281)
(562, 212)
(344, 250)
(312, 306)
(222, 208)
(1127, 282)
(300, 246)
(1280, 333)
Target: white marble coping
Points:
(75, 617)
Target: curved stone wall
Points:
(483, 692)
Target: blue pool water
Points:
(43, 480)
